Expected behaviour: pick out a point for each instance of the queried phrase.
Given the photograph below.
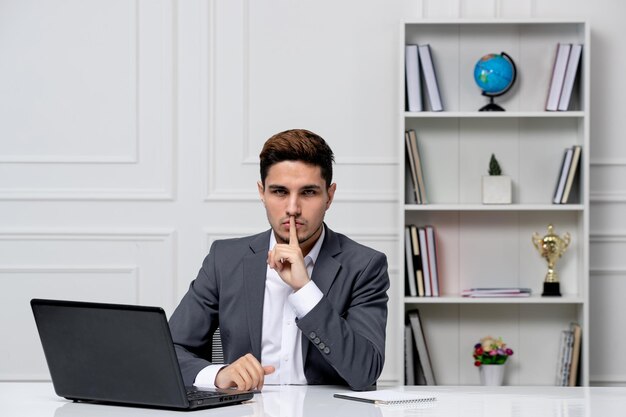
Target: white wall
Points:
(129, 135)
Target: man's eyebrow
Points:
(304, 187)
(311, 187)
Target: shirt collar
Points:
(313, 253)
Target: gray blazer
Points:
(343, 336)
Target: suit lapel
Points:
(254, 275)
(324, 273)
(326, 266)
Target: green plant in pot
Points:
(496, 188)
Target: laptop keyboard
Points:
(200, 395)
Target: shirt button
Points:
(312, 335)
(317, 340)
(322, 345)
(327, 350)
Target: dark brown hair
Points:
(298, 145)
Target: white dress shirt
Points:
(281, 342)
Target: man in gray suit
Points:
(297, 304)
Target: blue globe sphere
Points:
(494, 74)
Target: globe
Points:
(494, 74)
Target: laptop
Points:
(118, 354)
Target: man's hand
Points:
(288, 261)
(245, 373)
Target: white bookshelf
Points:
(490, 245)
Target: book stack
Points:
(496, 292)
(417, 365)
(569, 356)
(564, 72)
(422, 272)
(418, 193)
(567, 175)
(419, 67)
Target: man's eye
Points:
(279, 192)
(309, 192)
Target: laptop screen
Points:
(111, 353)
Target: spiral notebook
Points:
(388, 397)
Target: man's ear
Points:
(331, 194)
(261, 190)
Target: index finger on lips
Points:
(293, 232)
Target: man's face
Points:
(295, 188)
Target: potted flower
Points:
(496, 187)
(490, 355)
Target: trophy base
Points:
(551, 289)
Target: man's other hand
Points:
(245, 373)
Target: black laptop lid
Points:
(110, 352)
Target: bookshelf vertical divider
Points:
(490, 245)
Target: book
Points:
(425, 262)
(387, 396)
(496, 292)
(421, 188)
(573, 374)
(432, 260)
(497, 295)
(561, 358)
(430, 78)
(412, 78)
(409, 189)
(410, 156)
(560, 184)
(571, 173)
(558, 76)
(417, 261)
(410, 269)
(571, 71)
(564, 362)
(422, 348)
(409, 356)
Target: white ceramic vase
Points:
(496, 189)
(491, 375)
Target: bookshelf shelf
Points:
(479, 245)
(494, 207)
(533, 299)
(494, 115)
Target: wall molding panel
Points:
(121, 266)
(127, 152)
(231, 120)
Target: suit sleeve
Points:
(194, 321)
(352, 341)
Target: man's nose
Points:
(293, 206)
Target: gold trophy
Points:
(551, 247)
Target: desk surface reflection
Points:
(22, 399)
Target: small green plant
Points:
(494, 166)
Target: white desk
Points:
(39, 400)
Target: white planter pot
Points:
(491, 375)
(496, 189)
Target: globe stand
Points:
(491, 106)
